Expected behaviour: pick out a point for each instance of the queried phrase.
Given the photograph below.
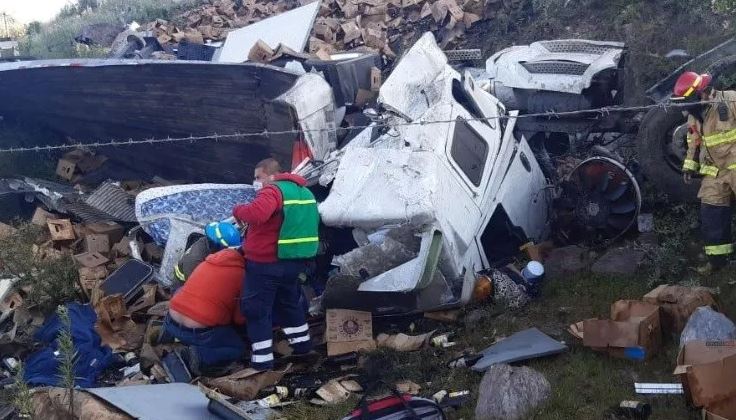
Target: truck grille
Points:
(556, 67)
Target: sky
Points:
(26, 11)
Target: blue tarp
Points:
(91, 358)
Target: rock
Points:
(619, 261)
(705, 324)
(567, 259)
(508, 393)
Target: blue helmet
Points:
(224, 234)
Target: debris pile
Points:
(376, 25)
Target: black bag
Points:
(397, 407)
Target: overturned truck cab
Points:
(436, 191)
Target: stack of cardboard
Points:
(375, 25)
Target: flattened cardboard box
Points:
(725, 410)
(348, 331)
(707, 370)
(632, 324)
(678, 303)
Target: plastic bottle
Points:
(533, 274)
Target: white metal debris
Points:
(290, 29)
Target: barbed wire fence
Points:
(601, 112)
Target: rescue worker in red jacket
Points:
(281, 241)
(712, 153)
(204, 314)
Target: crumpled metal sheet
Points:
(418, 81)
(112, 200)
(379, 187)
(510, 67)
(109, 202)
(290, 29)
(523, 345)
(176, 401)
(312, 99)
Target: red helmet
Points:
(690, 82)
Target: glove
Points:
(687, 177)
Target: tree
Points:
(9, 27)
(33, 28)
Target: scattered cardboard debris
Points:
(61, 230)
(41, 216)
(707, 370)
(114, 325)
(408, 387)
(245, 384)
(91, 259)
(96, 242)
(633, 324)
(678, 303)
(333, 392)
(403, 342)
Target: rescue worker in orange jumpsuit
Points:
(711, 152)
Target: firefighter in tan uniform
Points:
(712, 153)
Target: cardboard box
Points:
(66, 168)
(41, 216)
(348, 331)
(678, 303)
(114, 231)
(260, 53)
(6, 230)
(632, 324)
(91, 259)
(707, 370)
(724, 410)
(95, 242)
(61, 230)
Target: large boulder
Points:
(705, 324)
(508, 393)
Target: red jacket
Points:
(211, 294)
(264, 218)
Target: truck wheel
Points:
(661, 145)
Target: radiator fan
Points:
(600, 201)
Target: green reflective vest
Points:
(299, 237)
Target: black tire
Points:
(661, 165)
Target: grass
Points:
(56, 38)
(585, 384)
